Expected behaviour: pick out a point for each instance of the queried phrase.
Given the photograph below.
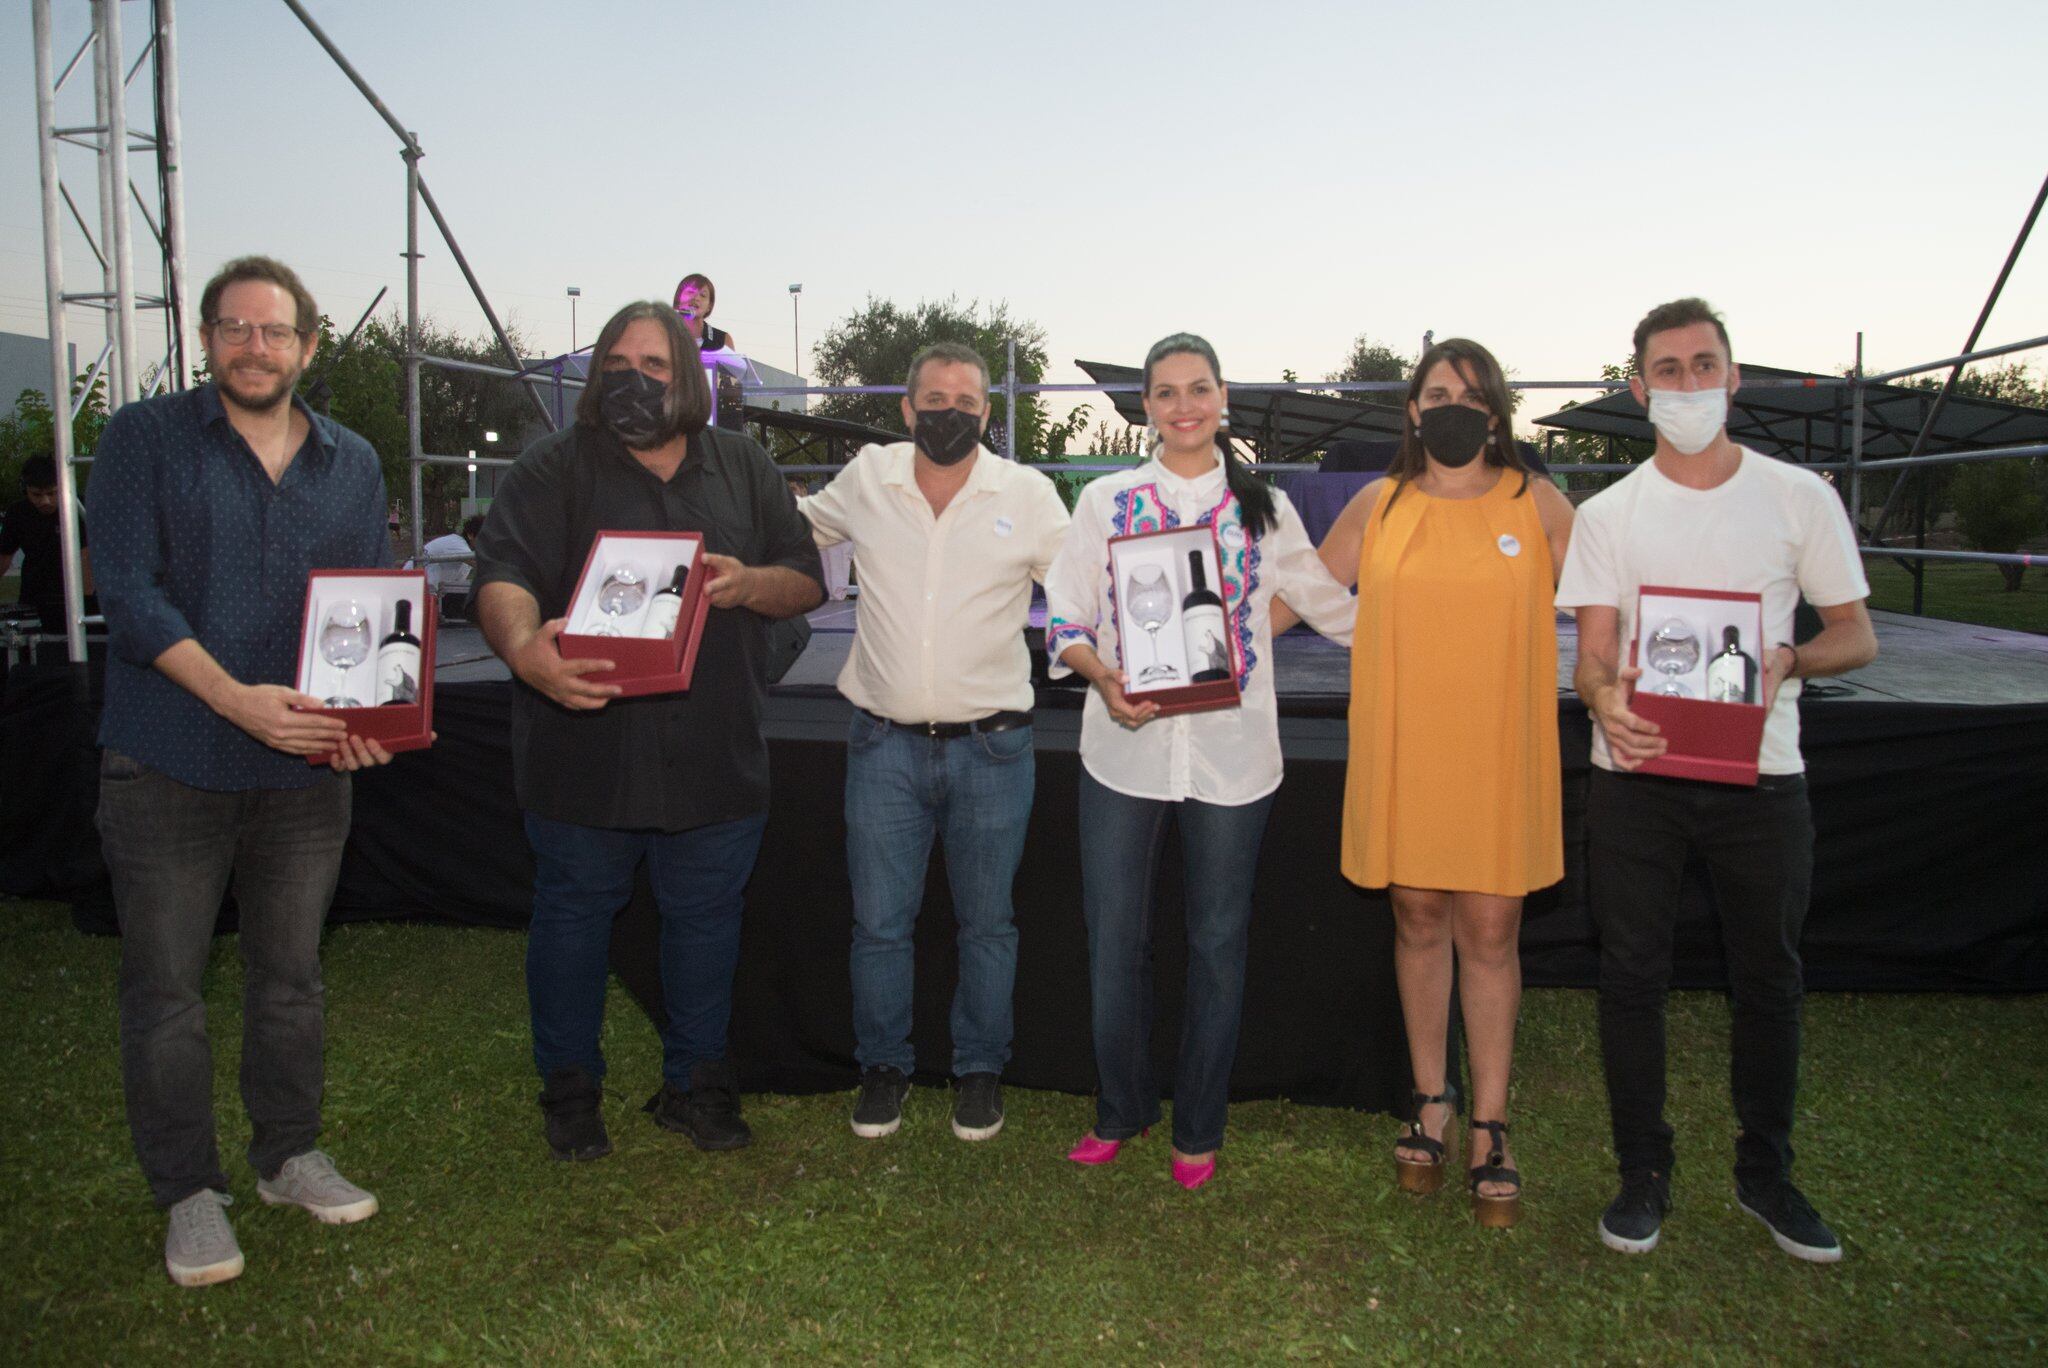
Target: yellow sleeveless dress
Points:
(1453, 780)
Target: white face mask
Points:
(1689, 419)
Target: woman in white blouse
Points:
(1214, 773)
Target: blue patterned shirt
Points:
(190, 538)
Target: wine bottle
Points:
(668, 603)
(1201, 626)
(1731, 674)
(398, 661)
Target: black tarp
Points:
(1931, 873)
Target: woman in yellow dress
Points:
(1452, 798)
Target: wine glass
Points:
(1149, 598)
(622, 594)
(345, 644)
(1672, 688)
(1674, 649)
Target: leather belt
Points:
(946, 731)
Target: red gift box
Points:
(1717, 742)
(641, 664)
(396, 726)
(1166, 647)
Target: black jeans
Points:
(171, 850)
(1758, 848)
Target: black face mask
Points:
(946, 436)
(1453, 433)
(635, 408)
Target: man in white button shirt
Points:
(1704, 513)
(949, 537)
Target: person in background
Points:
(950, 538)
(1212, 773)
(696, 296)
(209, 508)
(448, 579)
(29, 528)
(1705, 513)
(679, 779)
(1452, 799)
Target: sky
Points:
(1279, 178)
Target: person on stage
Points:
(1705, 513)
(950, 537)
(208, 509)
(1212, 773)
(696, 296)
(1452, 797)
(680, 780)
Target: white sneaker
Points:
(308, 1180)
(199, 1247)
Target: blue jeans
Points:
(1120, 847)
(901, 789)
(582, 876)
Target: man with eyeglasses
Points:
(208, 508)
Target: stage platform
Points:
(1928, 773)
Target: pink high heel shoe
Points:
(1192, 1176)
(1091, 1150)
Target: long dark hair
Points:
(1476, 367)
(1254, 495)
(688, 408)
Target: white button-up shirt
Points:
(1230, 756)
(939, 626)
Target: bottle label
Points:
(1208, 649)
(661, 616)
(398, 673)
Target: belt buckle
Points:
(930, 729)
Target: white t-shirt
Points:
(1770, 529)
(448, 576)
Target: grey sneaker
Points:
(308, 1180)
(199, 1247)
(978, 1106)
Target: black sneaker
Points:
(575, 1126)
(1794, 1224)
(709, 1113)
(978, 1106)
(880, 1108)
(1633, 1219)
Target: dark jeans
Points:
(171, 850)
(1120, 847)
(582, 877)
(901, 790)
(1758, 848)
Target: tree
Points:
(1373, 360)
(874, 344)
(1998, 509)
(30, 430)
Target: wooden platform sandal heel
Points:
(1500, 1212)
(1424, 1176)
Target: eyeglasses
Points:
(235, 332)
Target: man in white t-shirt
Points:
(949, 536)
(448, 580)
(1704, 513)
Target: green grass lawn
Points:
(1919, 1137)
(1962, 592)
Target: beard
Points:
(260, 386)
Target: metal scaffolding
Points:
(130, 368)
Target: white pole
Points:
(60, 368)
(170, 153)
(123, 245)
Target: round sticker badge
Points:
(1508, 545)
(1004, 527)
(1233, 537)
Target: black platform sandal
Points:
(1503, 1211)
(1424, 1176)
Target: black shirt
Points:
(34, 534)
(672, 761)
